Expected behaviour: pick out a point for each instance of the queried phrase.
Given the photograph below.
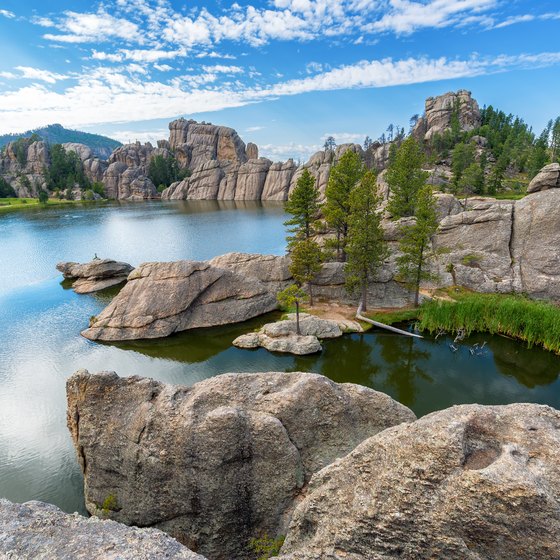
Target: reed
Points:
(535, 322)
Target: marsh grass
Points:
(535, 322)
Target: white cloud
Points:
(143, 136)
(525, 18)
(88, 28)
(345, 137)
(7, 75)
(254, 128)
(138, 55)
(163, 67)
(222, 69)
(214, 54)
(292, 150)
(38, 74)
(128, 98)
(7, 14)
(407, 16)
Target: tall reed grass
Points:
(536, 322)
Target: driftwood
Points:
(383, 325)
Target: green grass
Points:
(535, 322)
(396, 316)
(7, 204)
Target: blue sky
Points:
(283, 73)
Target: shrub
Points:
(266, 547)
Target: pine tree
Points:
(471, 182)
(366, 248)
(303, 205)
(415, 244)
(290, 296)
(462, 156)
(306, 261)
(405, 178)
(344, 176)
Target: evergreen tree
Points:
(366, 248)
(471, 182)
(306, 261)
(415, 243)
(405, 178)
(330, 144)
(462, 156)
(303, 205)
(290, 296)
(539, 155)
(344, 176)
(6, 190)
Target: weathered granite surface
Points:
(222, 461)
(470, 482)
(95, 275)
(39, 531)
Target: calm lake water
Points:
(40, 322)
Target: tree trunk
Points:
(364, 295)
(297, 318)
(310, 284)
(418, 277)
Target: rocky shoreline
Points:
(341, 470)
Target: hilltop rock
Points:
(167, 297)
(252, 151)
(439, 112)
(547, 178)
(95, 275)
(44, 532)
(469, 482)
(94, 168)
(222, 461)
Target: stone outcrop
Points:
(26, 175)
(220, 462)
(95, 275)
(440, 111)
(469, 482)
(282, 336)
(94, 167)
(160, 299)
(547, 178)
(40, 531)
(278, 180)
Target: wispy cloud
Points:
(129, 97)
(38, 74)
(523, 18)
(7, 14)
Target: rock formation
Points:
(547, 178)
(441, 110)
(282, 336)
(40, 531)
(94, 167)
(95, 275)
(469, 482)
(25, 174)
(221, 462)
(163, 298)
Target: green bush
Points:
(266, 547)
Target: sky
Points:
(284, 73)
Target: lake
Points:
(40, 322)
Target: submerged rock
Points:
(469, 482)
(95, 275)
(220, 462)
(43, 532)
(163, 298)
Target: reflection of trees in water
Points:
(344, 360)
(401, 356)
(530, 367)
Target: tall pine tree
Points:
(405, 178)
(415, 243)
(303, 205)
(306, 261)
(344, 176)
(366, 248)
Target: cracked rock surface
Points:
(220, 462)
(470, 482)
(40, 531)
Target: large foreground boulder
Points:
(220, 462)
(467, 483)
(167, 297)
(95, 275)
(40, 531)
